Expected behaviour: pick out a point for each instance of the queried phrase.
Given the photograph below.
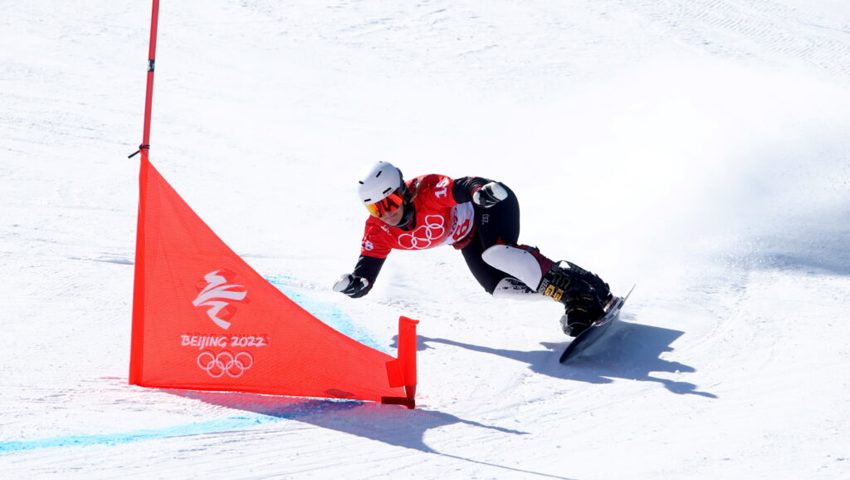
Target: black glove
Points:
(352, 285)
(489, 195)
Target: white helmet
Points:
(381, 180)
(384, 194)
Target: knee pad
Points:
(516, 262)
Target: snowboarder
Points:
(480, 217)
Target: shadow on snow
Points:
(395, 426)
(629, 351)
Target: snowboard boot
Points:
(583, 294)
(580, 313)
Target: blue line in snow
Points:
(227, 424)
(235, 423)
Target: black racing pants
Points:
(497, 225)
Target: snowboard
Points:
(596, 330)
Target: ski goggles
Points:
(388, 205)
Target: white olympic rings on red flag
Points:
(225, 363)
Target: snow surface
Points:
(698, 147)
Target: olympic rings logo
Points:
(225, 363)
(421, 238)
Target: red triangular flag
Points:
(203, 319)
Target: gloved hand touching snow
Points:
(352, 285)
(489, 195)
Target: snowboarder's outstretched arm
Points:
(360, 281)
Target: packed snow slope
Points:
(697, 148)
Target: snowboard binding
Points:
(584, 295)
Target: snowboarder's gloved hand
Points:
(489, 195)
(352, 285)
